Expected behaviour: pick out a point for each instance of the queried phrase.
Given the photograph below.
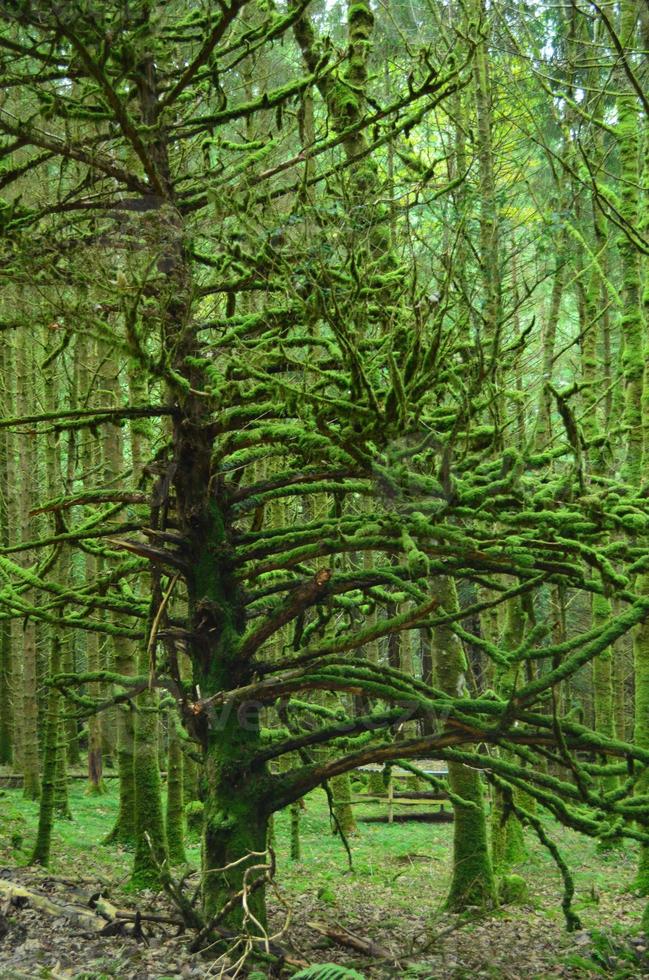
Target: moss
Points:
(641, 728)
(343, 104)
(644, 925)
(150, 838)
(175, 817)
(603, 680)
(360, 19)
(295, 831)
(6, 707)
(41, 852)
(376, 784)
(195, 816)
(61, 798)
(473, 882)
(235, 827)
(344, 814)
(513, 890)
(327, 895)
(507, 839)
(124, 830)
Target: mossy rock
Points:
(513, 890)
(327, 895)
(194, 815)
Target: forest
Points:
(324, 489)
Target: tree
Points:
(300, 345)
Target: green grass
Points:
(385, 857)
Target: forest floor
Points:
(394, 897)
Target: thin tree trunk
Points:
(175, 822)
(27, 468)
(6, 490)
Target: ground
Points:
(394, 896)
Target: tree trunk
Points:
(473, 880)
(507, 840)
(6, 663)
(175, 822)
(41, 852)
(343, 811)
(123, 649)
(27, 461)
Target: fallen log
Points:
(403, 799)
(434, 816)
(19, 896)
(344, 937)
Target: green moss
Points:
(641, 728)
(344, 814)
(376, 784)
(343, 104)
(124, 830)
(235, 827)
(360, 19)
(195, 816)
(513, 890)
(150, 839)
(644, 925)
(41, 852)
(473, 882)
(175, 817)
(507, 839)
(295, 831)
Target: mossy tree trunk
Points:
(29, 699)
(641, 727)
(91, 462)
(123, 649)
(507, 840)
(53, 759)
(631, 323)
(6, 663)
(473, 881)
(636, 377)
(343, 810)
(235, 818)
(47, 807)
(175, 816)
(150, 837)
